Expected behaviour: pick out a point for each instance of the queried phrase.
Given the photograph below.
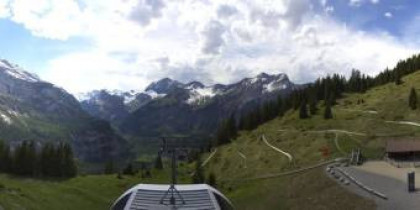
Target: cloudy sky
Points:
(126, 44)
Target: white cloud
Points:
(146, 10)
(355, 3)
(225, 11)
(4, 9)
(48, 18)
(388, 15)
(213, 37)
(329, 9)
(358, 3)
(137, 41)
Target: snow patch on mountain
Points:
(17, 72)
(201, 94)
(154, 94)
(6, 118)
(273, 86)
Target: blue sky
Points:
(126, 44)
(31, 52)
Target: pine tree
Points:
(412, 101)
(198, 177)
(328, 113)
(222, 136)
(158, 162)
(232, 129)
(398, 80)
(212, 180)
(31, 159)
(21, 166)
(47, 160)
(2, 159)
(57, 160)
(68, 162)
(303, 113)
(280, 106)
(313, 109)
(6, 159)
(129, 170)
(109, 167)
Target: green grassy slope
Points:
(89, 192)
(295, 137)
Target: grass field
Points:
(83, 192)
(248, 157)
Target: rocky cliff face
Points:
(32, 109)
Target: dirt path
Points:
(277, 149)
(404, 123)
(209, 158)
(243, 156)
(338, 131)
(364, 111)
(338, 145)
(269, 176)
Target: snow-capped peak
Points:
(154, 94)
(194, 85)
(163, 86)
(200, 94)
(16, 72)
(278, 82)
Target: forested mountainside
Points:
(32, 109)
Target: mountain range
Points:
(170, 107)
(98, 123)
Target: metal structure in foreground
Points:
(173, 196)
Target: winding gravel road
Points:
(277, 149)
(404, 123)
(364, 111)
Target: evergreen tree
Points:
(328, 113)
(57, 160)
(398, 80)
(232, 129)
(222, 136)
(303, 113)
(313, 109)
(109, 167)
(280, 106)
(2, 157)
(158, 162)
(47, 160)
(129, 170)
(212, 180)
(198, 177)
(68, 162)
(6, 159)
(412, 101)
(31, 159)
(20, 159)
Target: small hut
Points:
(403, 150)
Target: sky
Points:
(82, 45)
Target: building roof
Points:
(149, 196)
(403, 146)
